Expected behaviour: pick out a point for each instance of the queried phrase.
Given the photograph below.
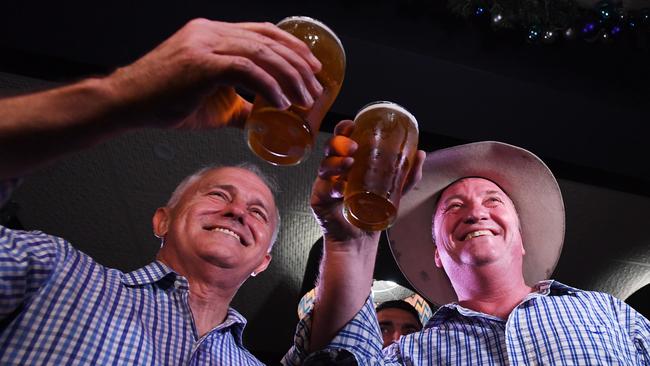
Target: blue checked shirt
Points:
(557, 325)
(59, 307)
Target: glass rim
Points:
(388, 104)
(318, 23)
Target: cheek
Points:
(180, 221)
(261, 230)
(436, 226)
(509, 222)
(442, 230)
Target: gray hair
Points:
(268, 180)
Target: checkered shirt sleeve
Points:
(360, 336)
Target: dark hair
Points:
(402, 305)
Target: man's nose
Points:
(475, 213)
(395, 335)
(235, 211)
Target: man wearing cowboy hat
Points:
(482, 231)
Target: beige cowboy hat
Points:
(522, 176)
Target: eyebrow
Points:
(228, 187)
(486, 192)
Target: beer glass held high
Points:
(387, 135)
(286, 137)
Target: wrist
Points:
(108, 112)
(122, 93)
(367, 242)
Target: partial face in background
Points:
(395, 323)
(225, 219)
(476, 224)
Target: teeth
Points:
(477, 233)
(226, 231)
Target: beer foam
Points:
(390, 105)
(320, 24)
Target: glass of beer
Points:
(387, 135)
(286, 137)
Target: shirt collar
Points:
(543, 288)
(159, 273)
(555, 288)
(235, 323)
(154, 272)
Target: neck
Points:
(209, 306)
(211, 291)
(490, 290)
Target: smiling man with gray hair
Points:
(57, 305)
(216, 232)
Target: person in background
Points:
(397, 318)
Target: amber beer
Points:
(387, 135)
(286, 137)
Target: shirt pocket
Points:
(595, 343)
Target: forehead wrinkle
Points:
(492, 191)
(228, 187)
(486, 192)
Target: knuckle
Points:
(260, 50)
(268, 25)
(198, 22)
(241, 64)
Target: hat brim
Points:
(379, 295)
(524, 178)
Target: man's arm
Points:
(186, 82)
(349, 253)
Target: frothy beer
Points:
(286, 137)
(387, 135)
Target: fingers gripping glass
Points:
(285, 137)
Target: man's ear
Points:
(160, 222)
(262, 266)
(437, 258)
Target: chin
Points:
(479, 262)
(480, 259)
(219, 260)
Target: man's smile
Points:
(227, 232)
(477, 233)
